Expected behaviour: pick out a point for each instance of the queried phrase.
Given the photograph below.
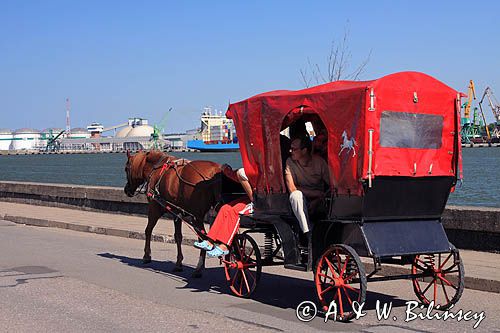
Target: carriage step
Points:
(297, 267)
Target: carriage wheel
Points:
(444, 280)
(243, 266)
(340, 277)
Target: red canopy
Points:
(413, 118)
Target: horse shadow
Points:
(273, 290)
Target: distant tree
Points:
(338, 66)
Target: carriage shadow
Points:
(280, 291)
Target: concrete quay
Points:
(468, 227)
(482, 269)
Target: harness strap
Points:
(179, 213)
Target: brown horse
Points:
(192, 186)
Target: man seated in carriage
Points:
(226, 223)
(306, 175)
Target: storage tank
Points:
(123, 132)
(141, 131)
(25, 139)
(5, 139)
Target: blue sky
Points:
(116, 59)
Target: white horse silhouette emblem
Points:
(348, 144)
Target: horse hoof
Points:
(178, 269)
(196, 275)
(146, 260)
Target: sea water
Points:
(479, 187)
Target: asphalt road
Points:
(59, 280)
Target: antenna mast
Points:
(68, 126)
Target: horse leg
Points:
(154, 213)
(178, 241)
(201, 260)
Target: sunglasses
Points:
(295, 149)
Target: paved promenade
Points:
(482, 269)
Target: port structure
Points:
(471, 128)
(156, 136)
(495, 109)
(53, 144)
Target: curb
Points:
(473, 283)
(93, 229)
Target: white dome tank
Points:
(123, 132)
(25, 139)
(144, 130)
(5, 139)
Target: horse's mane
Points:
(154, 156)
(141, 158)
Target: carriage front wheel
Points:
(243, 265)
(340, 277)
(442, 280)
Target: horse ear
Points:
(128, 153)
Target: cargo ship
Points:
(216, 134)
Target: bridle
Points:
(164, 164)
(141, 189)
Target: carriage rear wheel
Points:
(243, 266)
(443, 282)
(340, 277)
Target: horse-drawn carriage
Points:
(394, 156)
(393, 153)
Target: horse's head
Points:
(139, 168)
(133, 170)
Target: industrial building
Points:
(5, 139)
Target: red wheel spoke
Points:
(351, 288)
(445, 293)
(325, 290)
(331, 266)
(444, 263)
(250, 254)
(234, 277)
(351, 276)
(341, 306)
(241, 285)
(251, 274)
(427, 288)
(245, 279)
(325, 276)
(347, 295)
(448, 282)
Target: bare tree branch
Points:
(337, 64)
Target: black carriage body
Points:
(397, 216)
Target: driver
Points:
(305, 176)
(227, 221)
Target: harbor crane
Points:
(495, 108)
(52, 143)
(470, 129)
(156, 136)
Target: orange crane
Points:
(471, 94)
